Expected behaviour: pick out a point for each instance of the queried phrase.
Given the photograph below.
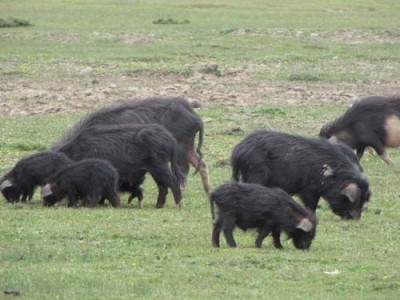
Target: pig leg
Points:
(162, 194)
(386, 158)
(30, 195)
(27, 195)
(228, 226)
(262, 234)
(199, 164)
(164, 179)
(276, 234)
(91, 200)
(310, 201)
(24, 197)
(72, 200)
(380, 149)
(216, 233)
(138, 192)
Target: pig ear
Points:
(5, 184)
(305, 225)
(352, 192)
(46, 191)
(327, 170)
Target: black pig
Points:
(308, 167)
(90, 180)
(268, 210)
(174, 114)
(31, 171)
(133, 150)
(371, 122)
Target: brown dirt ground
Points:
(84, 91)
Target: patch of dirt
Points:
(233, 86)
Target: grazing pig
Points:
(308, 167)
(174, 114)
(90, 180)
(133, 150)
(31, 171)
(371, 122)
(268, 210)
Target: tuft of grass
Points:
(274, 111)
(170, 21)
(13, 22)
(303, 77)
(30, 146)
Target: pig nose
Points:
(355, 214)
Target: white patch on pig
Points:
(46, 191)
(5, 184)
(327, 170)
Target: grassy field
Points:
(105, 253)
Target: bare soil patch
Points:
(84, 91)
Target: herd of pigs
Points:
(111, 150)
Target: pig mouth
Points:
(352, 215)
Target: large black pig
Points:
(311, 168)
(133, 150)
(28, 173)
(371, 122)
(89, 180)
(268, 210)
(175, 114)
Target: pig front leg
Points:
(262, 234)
(276, 234)
(310, 200)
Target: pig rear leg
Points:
(200, 164)
(262, 234)
(386, 158)
(216, 233)
(228, 227)
(380, 149)
(276, 234)
(164, 179)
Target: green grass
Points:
(314, 40)
(105, 253)
(127, 253)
